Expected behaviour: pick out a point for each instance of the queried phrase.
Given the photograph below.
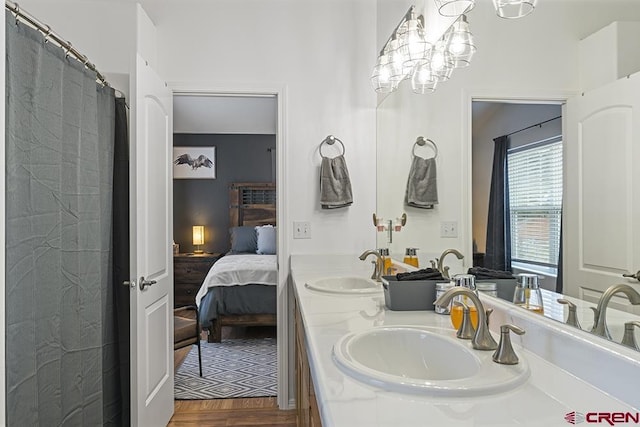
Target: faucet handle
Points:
(629, 338)
(572, 318)
(505, 354)
(466, 330)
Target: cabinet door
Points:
(302, 374)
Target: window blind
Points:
(535, 201)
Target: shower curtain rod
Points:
(532, 126)
(51, 35)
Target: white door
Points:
(151, 259)
(602, 198)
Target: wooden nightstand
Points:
(189, 272)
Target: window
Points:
(535, 201)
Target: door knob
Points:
(145, 283)
(633, 276)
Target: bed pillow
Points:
(266, 240)
(243, 240)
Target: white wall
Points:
(322, 51)
(533, 57)
(101, 29)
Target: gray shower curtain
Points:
(61, 339)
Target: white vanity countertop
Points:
(545, 399)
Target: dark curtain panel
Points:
(115, 357)
(498, 251)
(61, 338)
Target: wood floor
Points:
(260, 411)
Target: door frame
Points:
(498, 96)
(279, 90)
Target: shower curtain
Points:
(63, 306)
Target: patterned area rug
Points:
(232, 368)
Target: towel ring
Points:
(330, 140)
(421, 141)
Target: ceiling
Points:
(225, 114)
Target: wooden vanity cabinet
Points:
(307, 411)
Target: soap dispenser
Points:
(410, 257)
(527, 293)
(467, 281)
(386, 260)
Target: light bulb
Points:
(437, 61)
(456, 45)
(381, 75)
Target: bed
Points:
(240, 289)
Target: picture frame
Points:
(194, 162)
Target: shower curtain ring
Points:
(16, 11)
(48, 33)
(68, 49)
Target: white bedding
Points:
(234, 270)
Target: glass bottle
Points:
(467, 281)
(527, 294)
(386, 260)
(410, 257)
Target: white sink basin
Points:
(425, 360)
(345, 285)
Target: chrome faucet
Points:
(441, 268)
(600, 313)
(377, 271)
(482, 339)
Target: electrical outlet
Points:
(449, 229)
(301, 230)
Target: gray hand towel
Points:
(422, 186)
(335, 185)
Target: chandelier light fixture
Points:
(406, 47)
(408, 54)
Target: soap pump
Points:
(410, 257)
(386, 259)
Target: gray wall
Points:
(239, 158)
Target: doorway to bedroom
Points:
(225, 233)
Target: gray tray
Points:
(408, 295)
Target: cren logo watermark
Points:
(610, 418)
(574, 417)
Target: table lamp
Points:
(198, 238)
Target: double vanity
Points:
(366, 365)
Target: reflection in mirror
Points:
(533, 190)
(564, 62)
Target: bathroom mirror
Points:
(534, 60)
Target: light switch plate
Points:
(301, 230)
(449, 229)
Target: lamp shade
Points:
(460, 44)
(198, 234)
(513, 9)
(454, 7)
